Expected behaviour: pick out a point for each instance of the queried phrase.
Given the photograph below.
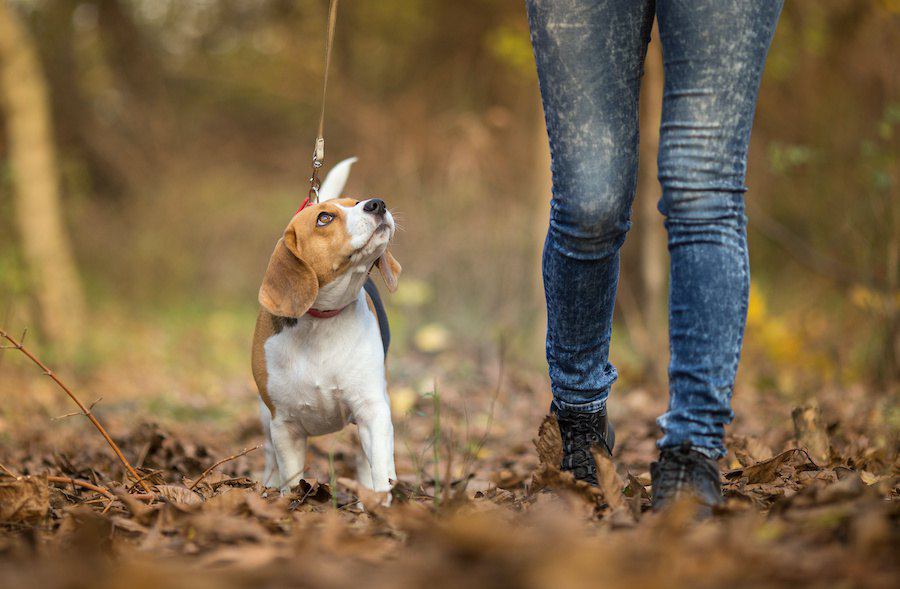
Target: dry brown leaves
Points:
(24, 500)
(789, 520)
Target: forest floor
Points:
(812, 495)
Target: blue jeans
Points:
(589, 56)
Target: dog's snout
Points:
(375, 206)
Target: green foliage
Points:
(511, 46)
(783, 158)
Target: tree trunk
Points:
(32, 154)
(652, 234)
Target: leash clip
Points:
(312, 197)
(318, 160)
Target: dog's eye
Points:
(324, 219)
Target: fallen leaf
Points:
(403, 399)
(554, 478)
(765, 471)
(636, 487)
(608, 480)
(309, 490)
(810, 434)
(180, 497)
(637, 496)
(129, 525)
(432, 338)
(24, 499)
(549, 442)
(230, 501)
(270, 509)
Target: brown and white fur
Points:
(316, 375)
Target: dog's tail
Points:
(334, 182)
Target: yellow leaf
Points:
(403, 399)
(412, 293)
(432, 338)
(756, 309)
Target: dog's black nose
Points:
(375, 206)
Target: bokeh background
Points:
(152, 151)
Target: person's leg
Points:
(590, 60)
(714, 52)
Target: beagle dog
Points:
(321, 335)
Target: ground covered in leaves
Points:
(812, 500)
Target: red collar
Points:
(325, 314)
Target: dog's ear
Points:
(390, 270)
(290, 285)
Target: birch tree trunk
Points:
(32, 154)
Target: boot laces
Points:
(579, 434)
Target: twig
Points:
(436, 432)
(68, 481)
(332, 477)
(221, 462)
(84, 484)
(85, 410)
(144, 477)
(9, 472)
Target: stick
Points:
(221, 462)
(85, 410)
(74, 413)
(144, 478)
(79, 483)
(9, 472)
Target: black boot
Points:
(683, 471)
(581, 431)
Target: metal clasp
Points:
(318, 160)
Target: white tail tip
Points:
(334, 182)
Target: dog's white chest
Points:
(323, 372)
(310, 397)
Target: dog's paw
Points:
(372, 501)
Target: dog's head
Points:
(324, 241)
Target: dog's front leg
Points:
(270, 477)
(290, 452)
(376, 436)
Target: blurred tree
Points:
(652, 236)
(826, 205)
(108, 92)
(32, 154)
(183, 129)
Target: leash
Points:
(318, 158)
